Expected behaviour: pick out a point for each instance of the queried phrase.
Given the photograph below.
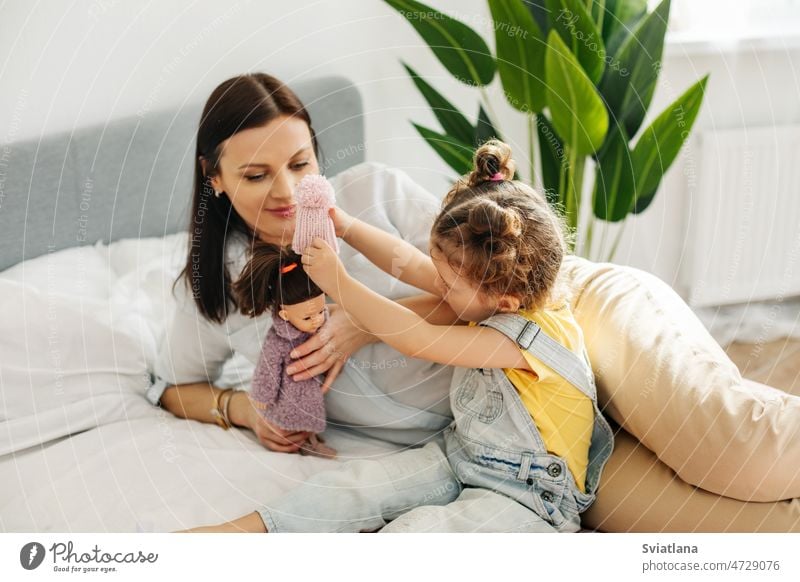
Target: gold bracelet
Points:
(215, 412)
(225, 408)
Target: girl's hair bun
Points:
(502, 234)
(487, 217)
(492, 157)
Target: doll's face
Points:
(307, 316)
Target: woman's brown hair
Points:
(240, 103)
(502, 234)
(264, 285)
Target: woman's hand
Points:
(328, 349)
(243, 413)
(341, 220)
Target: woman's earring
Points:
(217, 193)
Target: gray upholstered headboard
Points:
(132, 177)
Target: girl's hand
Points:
(341, 220)
(243, 413)
(324, 267)
(328, 349)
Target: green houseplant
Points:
(583, 74)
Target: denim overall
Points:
(496, 473)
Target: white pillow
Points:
(78, 271)
(64, 367)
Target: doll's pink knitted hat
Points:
(315, 196)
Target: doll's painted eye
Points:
(321, 311)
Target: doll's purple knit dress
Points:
(290, 405)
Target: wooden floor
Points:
(775, 363)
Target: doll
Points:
(274, 279)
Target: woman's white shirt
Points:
(195, 349)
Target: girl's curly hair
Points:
(502, 234)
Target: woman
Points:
(255, 142)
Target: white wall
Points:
(65, 65)
(752, 84)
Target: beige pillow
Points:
(665, 380)
(639, 493)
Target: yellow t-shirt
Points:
(563, 414)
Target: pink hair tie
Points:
(497, 177)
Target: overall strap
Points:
(529, 336)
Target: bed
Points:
(91, 237)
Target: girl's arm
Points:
(431, 308)
(404, 330)
(391, 254)
(352, 335)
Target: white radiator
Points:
(744, 236)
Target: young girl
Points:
(274, 279)
(528, 442)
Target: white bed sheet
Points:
(154, 474)
(81, 449)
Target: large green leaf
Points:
(619, 19)
(459, 48)
(484, 129)
(614, 184)
(629, 82)
(577, 111)
(453, 121)
(660, 143)
(551, 156)
(456, 154)
(598, 12)
(520, 55)
(538, 9)
(578, 30)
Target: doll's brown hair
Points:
(272, 277)
(500, 233)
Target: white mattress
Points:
(81, 449)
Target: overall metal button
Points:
(547, 496)
(554, 470)
(530, 481)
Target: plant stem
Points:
(562, 179)
(532, 150)
(488, 106)
(586, 249)
(574, 188)
(616, 241)
(604, 237)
